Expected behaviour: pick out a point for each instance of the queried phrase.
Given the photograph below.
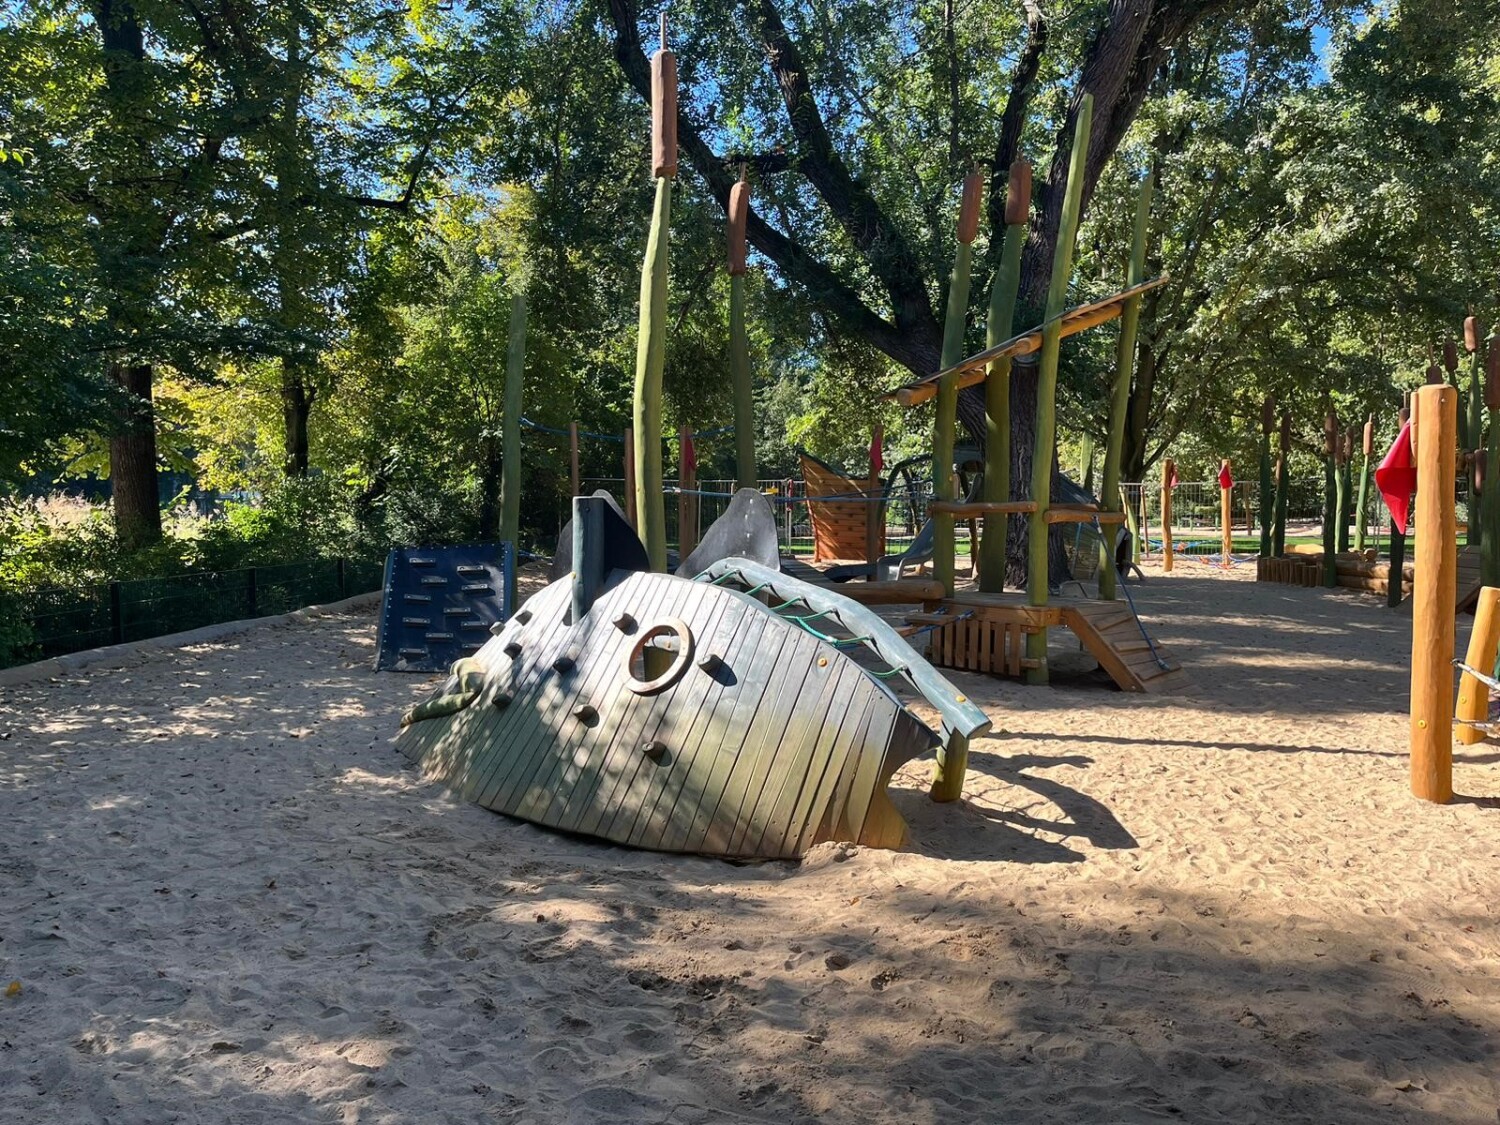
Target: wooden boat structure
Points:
(729, 709)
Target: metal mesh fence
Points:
(70, 619)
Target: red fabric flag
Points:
(1225, 480)
(877, 455)
(1397, 478)
(1175, 480)
(689, 454)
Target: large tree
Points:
(880, 115)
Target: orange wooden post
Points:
(630, 512)
(1435, 432)
(1474, 695)
(1226, 502)
(687, 498)
(574, 481)
(1168, 472)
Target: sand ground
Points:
(228, 900)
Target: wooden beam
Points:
(971, 371)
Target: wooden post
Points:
(630, 512)
(687, 499)
(997, 328)
(1143, 525)
(1226, 504)
(1169, 470)
(1435, 431)
(1046, 389)
(575, 481)
(1474, 695)
(510, 439)
(1119, 404)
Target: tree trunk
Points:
(132, 460)
(1137, 418)
(296, 404)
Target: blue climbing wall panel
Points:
(439, 604)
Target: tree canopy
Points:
(275, 242)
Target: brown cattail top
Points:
(739, 217)
(1330, 434)
(1471, 334)
(1481, 464)
(1434, 374)
(1018, 195)
(1268, 415)
(1369, 445)
(1286, 430)
(968, 211)
(1450, 354)
(664, 113)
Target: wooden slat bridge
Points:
(987, 633)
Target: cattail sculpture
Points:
(1330, 498)
(739, 344)
(1367, 449)
(947, 395)
(1046, 390)
(651, 342)
(1283, 483)
(1119, 404)
(998, 327)
(1267, 497)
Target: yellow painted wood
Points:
(1484, 639)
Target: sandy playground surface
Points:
(228, 900)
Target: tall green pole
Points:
(947, 395)
(739, 344)
(651, 341)
(999, 326)
(1489, 495)
(1283, 484)
(510, 439)
(1330, 499)
(1046, 390)
(1119, 400)
(1475, 431)
(1267, 499)
(1396, 575)
(953, 755)
(1367, 451)
(1346, 497)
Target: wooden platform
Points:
(993, 638)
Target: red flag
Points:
(1397, 478)
(1225, 480)
(1175, 480)
(689, 454)
(877, 455)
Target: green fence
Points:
(74, 618)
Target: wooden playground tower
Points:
(988, 629)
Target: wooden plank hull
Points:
(756, 739)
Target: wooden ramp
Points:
(1466, 588)
(987, 633)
